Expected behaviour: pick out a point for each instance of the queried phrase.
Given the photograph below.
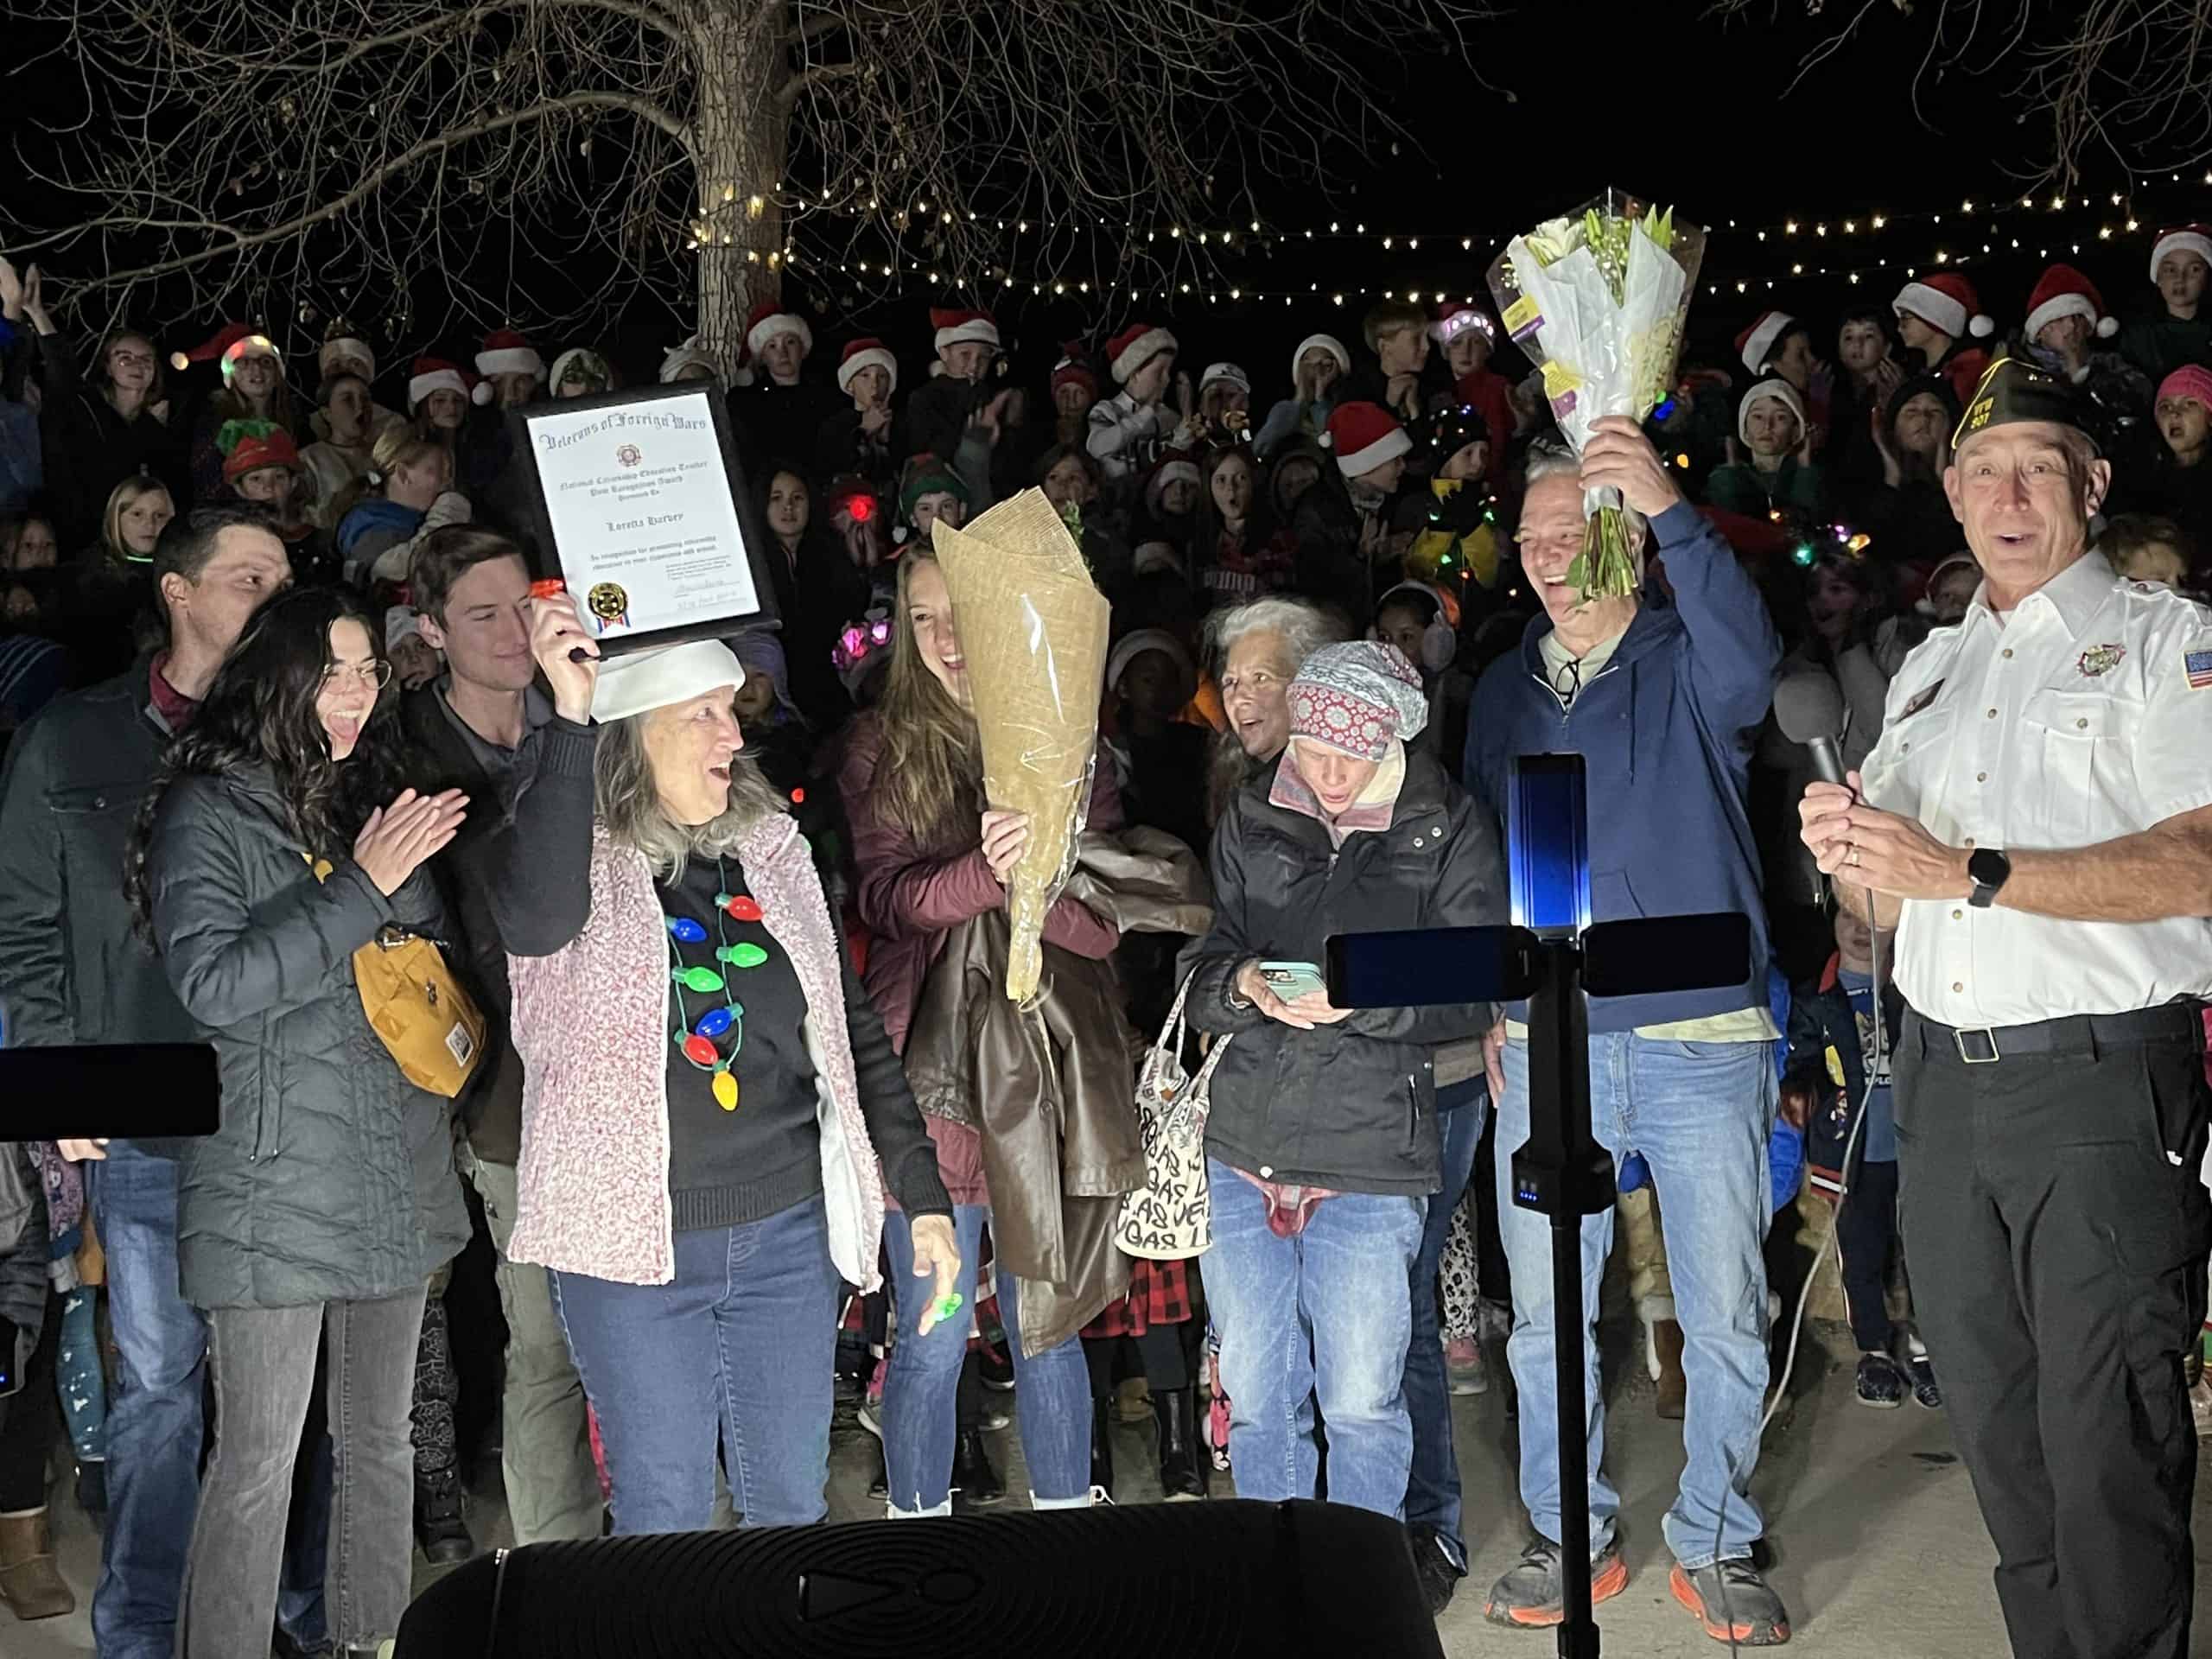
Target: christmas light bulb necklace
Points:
(699, 1041)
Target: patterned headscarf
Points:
(1358, 699)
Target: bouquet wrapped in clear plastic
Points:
(1599, 299)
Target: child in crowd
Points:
(1836, 1089)
(1781, 474)
(2143, 547)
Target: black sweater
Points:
(725, 1168)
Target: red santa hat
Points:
(340, 347)
(869, 353)
(1456, 318)
(1364, 436)
(2065, 292)
(1071, 370)
(1133, 347)
(1945, 301)
(957, 327)
(505, 352)
(1756, 343)
(769, 321)
(431, 374)
(2183, 239)
(1175, 468)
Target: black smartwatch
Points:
(1989, 870)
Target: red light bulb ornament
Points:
(700, 1050)
(743, 908)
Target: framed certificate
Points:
(640, 506)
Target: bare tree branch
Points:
(2126, 83)
(241, 160)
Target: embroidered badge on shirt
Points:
(2101, 659)
(2198, 663)
(1921, 702)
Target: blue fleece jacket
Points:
(1664, 730)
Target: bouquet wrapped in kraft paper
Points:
(1034, 628)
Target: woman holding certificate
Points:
(711, 1112)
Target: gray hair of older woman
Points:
(1550, 460)
(628, 803)
(1303, 628)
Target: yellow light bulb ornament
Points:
(726, 1091)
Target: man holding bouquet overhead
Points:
(1660, 701)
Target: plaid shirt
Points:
(1159, 1293)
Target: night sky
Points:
(1680, 109)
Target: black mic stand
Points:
(1561, 1172)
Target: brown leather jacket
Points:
(1050, 1087)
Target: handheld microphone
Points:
(1809, 708)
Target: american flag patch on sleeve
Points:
(2198, 663)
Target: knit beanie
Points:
(2190, 380)
(1782, 392)
(1328, 343)
(1358, 698)
(579, 363)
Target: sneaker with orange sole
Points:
(1733, 1603)
(1532, 1596)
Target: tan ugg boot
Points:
(30, 1583)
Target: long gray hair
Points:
(628, 803)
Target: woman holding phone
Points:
(1321, 1139)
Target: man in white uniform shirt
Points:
(2036, 823)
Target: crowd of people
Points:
(276, 688)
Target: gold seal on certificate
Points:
(609, 606)
(637, 510)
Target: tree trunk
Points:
(742, 130)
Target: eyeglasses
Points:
(375, 676)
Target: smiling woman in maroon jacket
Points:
(930, 857)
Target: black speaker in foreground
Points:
(1223, 1578)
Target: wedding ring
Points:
(1852, 860)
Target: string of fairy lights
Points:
(1861, 248)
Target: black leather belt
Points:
(2078, 1033)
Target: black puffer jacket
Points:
(332, 1177)
(1351, 1106)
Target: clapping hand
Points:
(398, 838)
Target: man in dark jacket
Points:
(1659, 702)
(73, 970)
(475, 730)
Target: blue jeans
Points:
(1052, 1398)
(1323, 1316)
(1432, 1489)
(743, 1342)
(1700, 1112)
(155, 1426)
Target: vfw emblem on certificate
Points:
(629, 455)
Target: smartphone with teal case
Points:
(1292, 980)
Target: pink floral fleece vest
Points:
(591, 1025)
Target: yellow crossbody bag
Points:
(414, 1003)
